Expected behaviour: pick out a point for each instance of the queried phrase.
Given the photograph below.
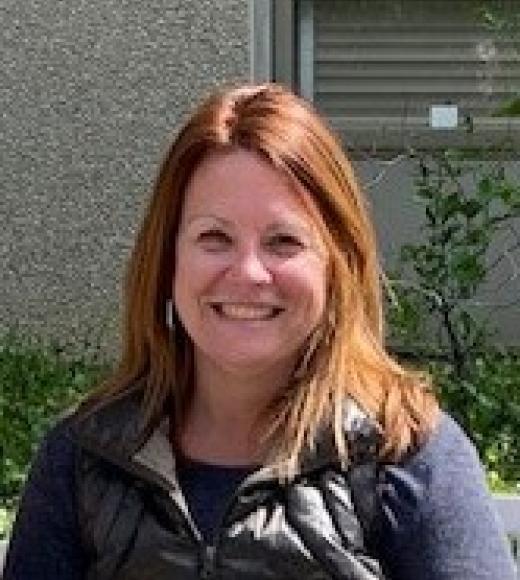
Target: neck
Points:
(223, 423)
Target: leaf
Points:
(470, 208)
(485, 188)
(449, 206)
(509, 109)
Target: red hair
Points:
(349, 360)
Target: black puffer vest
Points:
(136, 525)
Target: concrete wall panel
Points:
(91, 93)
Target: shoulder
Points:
(48, 510)
(114, 425)
(439, 518)
(444, 473)
(447, 453)
(450, 469)
(57, 449)
(53, 469)
(447, 438)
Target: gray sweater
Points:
(439, 522)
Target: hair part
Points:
(346, 357)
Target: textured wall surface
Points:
(91, 93)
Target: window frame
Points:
(292, 26)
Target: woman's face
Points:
(250, 279)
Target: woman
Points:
(256, 427)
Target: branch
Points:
(457, 351)
(508, 280)
(435, 296)
(514, 232)
(514, 266)
(515, 246)
(485, 304)
(502, 218)
(387, 164)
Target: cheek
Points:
(186, 283)
(306, 282)
(194, 270)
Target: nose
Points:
(249, 266)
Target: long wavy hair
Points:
(346, 357)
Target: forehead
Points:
(243, 179)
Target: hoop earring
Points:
(169, 314)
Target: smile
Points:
(241, 311)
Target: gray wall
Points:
(91, 94)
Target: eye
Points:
(213, 239)
(285, 244)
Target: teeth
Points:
(247, 312)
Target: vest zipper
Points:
(209, 551)
(208, 554)
(208, 561)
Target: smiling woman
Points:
(256, 427)
(249, 288)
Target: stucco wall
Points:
(91, 93)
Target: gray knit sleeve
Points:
(439, 519)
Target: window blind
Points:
(386, 62)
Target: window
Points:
(376, 68)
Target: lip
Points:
(218, 305)
(245, 303)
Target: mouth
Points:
(245, 311)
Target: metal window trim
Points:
(261, 35)
(306, 48)
(285, 43)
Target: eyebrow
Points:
(277, 225)
(297, 224)
(208, 216)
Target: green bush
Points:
(37, 382)
(487, 403)
(467, 201)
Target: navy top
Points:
(208, 489)
(439, 520)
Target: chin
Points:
(248, 363)
(252, 363)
